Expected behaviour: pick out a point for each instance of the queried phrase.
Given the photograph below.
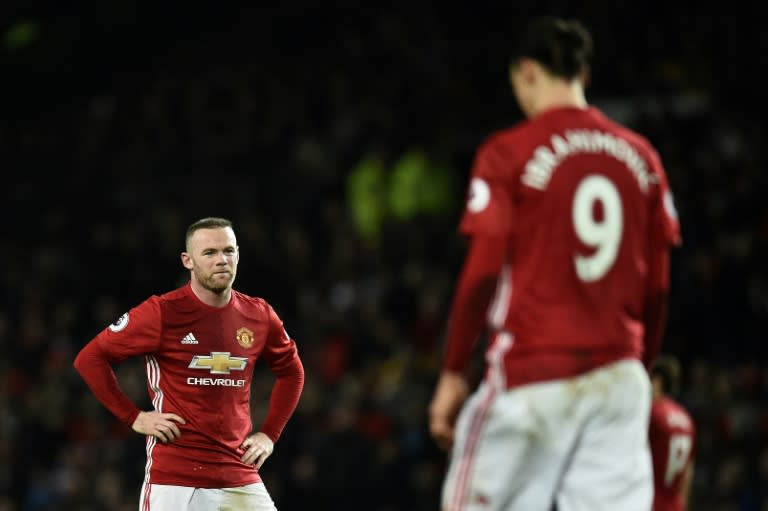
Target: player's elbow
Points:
(292, 369)
(296, 370)
(88, 356)
(78, 362)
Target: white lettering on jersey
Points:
(604, 236)
(215, 382)
(679, 449)
(678, 419)
(120, 324)
(479, 195)
(539, 169)
(669, 205)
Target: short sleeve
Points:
(137, 332)
(665, 222)
(489, 205)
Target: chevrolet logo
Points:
(219, 362)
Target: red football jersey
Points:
(580, 199)
(199, 363)
(672, 436)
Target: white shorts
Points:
(164, 497)
(579, 443)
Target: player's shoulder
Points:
(500, 151)
(250, 300)
(180, 301)
(672, 413)
(636, 139)
(153, 301)
(180, 295)
(505, 139)
(253, 306)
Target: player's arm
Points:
(685, 490)
(687, 483)
(94, 366)
(487, 222)
(664, 234)
(283, 359)
(472, 297)
(131, 335)
(656, 303)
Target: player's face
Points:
(212, 256)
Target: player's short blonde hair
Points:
(211, 222)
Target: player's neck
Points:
(559, 94)
(208, 297)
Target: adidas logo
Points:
(189, 339)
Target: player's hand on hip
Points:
(442, 431)
(450, 394)
(257, 449)
(159, 425)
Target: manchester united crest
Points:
(244, 337)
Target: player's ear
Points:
(533, 71)
(511, 73)
(585, 76)
(186, 260)
(516, 70)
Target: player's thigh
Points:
(459, 491)
(507, 455)
(611, 465)
(252, 497)
(164, 497)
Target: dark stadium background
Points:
(122, 122)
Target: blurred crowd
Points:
(252, 125)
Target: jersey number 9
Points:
(603, 235)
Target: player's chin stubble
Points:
(216, 285)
